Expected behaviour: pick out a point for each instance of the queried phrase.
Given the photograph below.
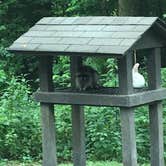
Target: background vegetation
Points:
(20, 132)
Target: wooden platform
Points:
(106, 97)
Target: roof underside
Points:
(97, 35)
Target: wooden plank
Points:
(67, 28)
(82, 48)
(127, 35)
(97, 34)
(125, 66)
(17, 47)
(147, 20)
(19, 50)
(127, 42)
(45, 40)
(156, 133)
(128, 137)
(72, 40)
(118, 28)
(82, 99)
(163, 57)
(47, 114)
(98, 99)
(104, 41)
(33, 33)
(23, 39)
(98, 20)
(155, 110)
(78, 136)
(117, 50)
(154, 69)
(149, 40)
(127, 114)
(91, 28)
(78, 129)
(147, 97)
(52, 47)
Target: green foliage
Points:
(110, 77)
(142, 134)
(89, 163)
(103, 133)
(20, 128)
(163, 74)
(61, 74)
(63, 129)
(92, 7)
(19, 123)
(20, 132)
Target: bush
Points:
(19, 122)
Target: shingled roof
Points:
(93, 35)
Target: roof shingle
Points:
(107, 35)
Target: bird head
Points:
(135, 68)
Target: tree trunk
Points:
(141, 8)
(132, 7)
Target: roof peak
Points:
(97, 20)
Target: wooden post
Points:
(127, 114)
(155, 110)
(47, 113)
(78, 130)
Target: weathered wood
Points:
(128, 137)
(110, 35)
(20, 51)
(47, 114)
(125, 65)
(155, 110)
(96, 20)
(163, 57)
(156, 133)
(149, 40)
(78, 130)
(154, 69)
(127, 114)
(101, 99)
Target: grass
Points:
(89, 163)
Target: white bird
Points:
(138, 79)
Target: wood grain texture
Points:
(156, 133)
(125, 66)
(127, 114)
(128, 137)
(78, 128)
(155, 110)
(47, 114)
(100, 99)
(78, 132)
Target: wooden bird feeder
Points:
(115, 37)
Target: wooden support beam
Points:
(101, 99)
(78, 130)
(127, 114)
(128, 137)
(47, 113)
(125, 66)
(155, 110)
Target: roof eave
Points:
(52, 53)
